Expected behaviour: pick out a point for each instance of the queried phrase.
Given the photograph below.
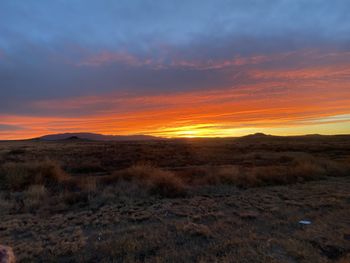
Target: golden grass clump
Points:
(19, 176)
(155, 180)
(206, 175)
(35, 196)
(88, 184)
(301, 169)
(36, 192)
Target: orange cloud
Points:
(219, 64)
(324, 72)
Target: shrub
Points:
(35, 196)
(206, 175)
(272, 175)
(88, 184)
(333, 168)
(71, 198)
(231, 175)
(5, 204)
(19, 176)
(36, 192)
(155, 180)
(308, 169)
(301, 169)
(195, 230)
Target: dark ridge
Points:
(95, 137)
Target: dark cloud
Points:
(64, 49)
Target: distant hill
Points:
(95, 137)
(258, 137)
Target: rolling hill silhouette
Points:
(95, 137)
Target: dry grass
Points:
(209, 175)
(165, 183)
(35, 196)
(155, 180)
(20, 176)
(195, 230)
(200, 201)
(5, 204)
(300, 170)
(88, 184)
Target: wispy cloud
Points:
(127, 59)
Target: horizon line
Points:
(178, 137)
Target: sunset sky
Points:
(174, 68)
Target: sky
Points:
(187, 68)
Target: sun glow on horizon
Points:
(181, 125)
(212, 130)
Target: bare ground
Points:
(214, 224)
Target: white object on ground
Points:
(305, 222)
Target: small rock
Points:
(6, 255)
